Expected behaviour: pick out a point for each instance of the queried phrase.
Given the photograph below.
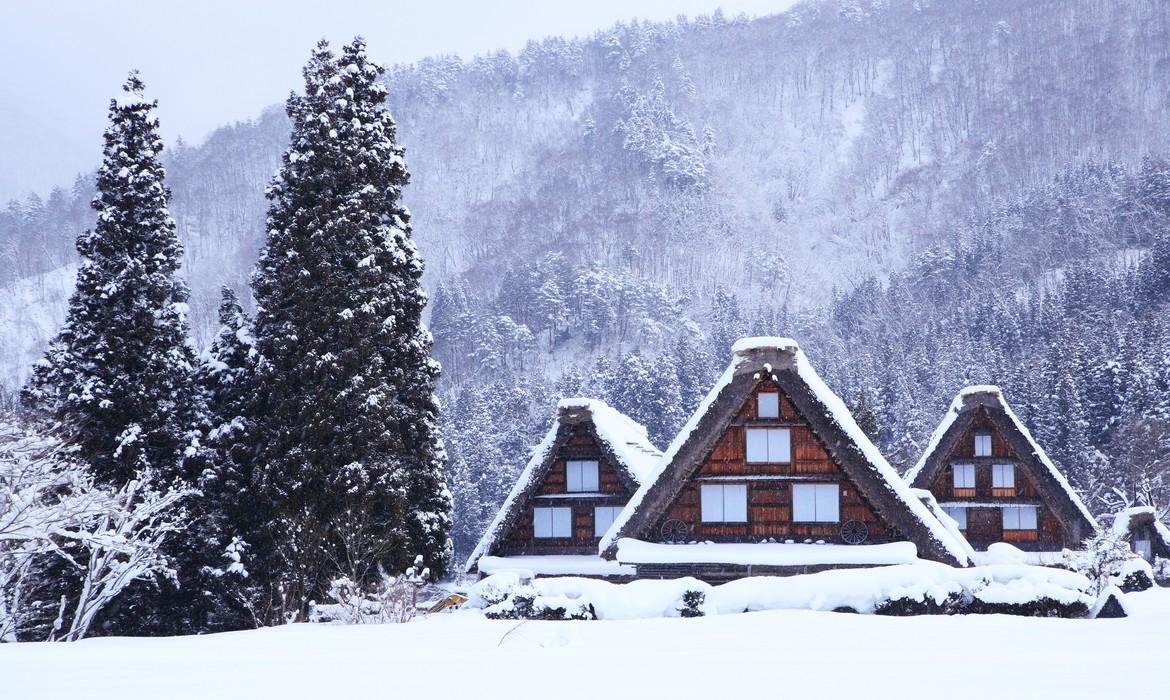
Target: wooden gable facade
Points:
(990, 476)
(770, 485)
(575, 484)
(579, 444)
(772, 456)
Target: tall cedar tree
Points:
(118, 376)
(350, 461)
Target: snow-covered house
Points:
(989, 474)
(1147, 536)
(576, 482)
(771, 475)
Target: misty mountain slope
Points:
(778, 157)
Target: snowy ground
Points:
(780, 653)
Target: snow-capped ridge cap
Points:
(744, 346)
(976, 389)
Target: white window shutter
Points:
(590, 479)
(735, 503)
(542, 522)
(804, 503)
(562, 522)
(780, 445)
(768, 405)
(711, 497)
(757, 445)
(1027, 517)
(828, 503)
(603, 517)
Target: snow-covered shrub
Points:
(691, 604)
(1136, 574)
(1106, 559)
(1161, 571)
(907, 603)
(503, 596)
(392, 599)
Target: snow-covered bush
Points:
(1106, 559)
(393, 599)
(53, 516)
(691, 604)
(910, 589)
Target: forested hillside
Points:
(925, 194)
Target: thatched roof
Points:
(782, 361)
(1056, 491)
(623, 442)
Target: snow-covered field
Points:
(778, 653)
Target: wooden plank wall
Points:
(770, 501)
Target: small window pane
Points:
(828, 503)
(1027, 517)
(958, 514)
(804, 503)
(542, 522)
(757, 445)
(982, 445)
(711, 496)
(581, 476)
(562, 522)
(603, 517)
(768, 405)
(1143, 549)
(964, 476)
(1003, 476)
(779, 445)
(1019, 518)
(735, 503)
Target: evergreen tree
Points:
(118, 374)
(350, 463)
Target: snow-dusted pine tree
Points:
(346, 412)
(118, 375)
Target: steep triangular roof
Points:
(1051, 484)
(622, 440)
(1126, 521)
(783, 362)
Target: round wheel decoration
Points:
(674, 531)
(854, 532)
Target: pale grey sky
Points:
(211, 62)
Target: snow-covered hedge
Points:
(914, 589)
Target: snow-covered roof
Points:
(1124, 519)
(746, 356)
(966, 398)
(631, 551)
(948, 522)
(555, 565)
(620, 435)
(625, 437)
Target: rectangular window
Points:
(581, 476)
(769, 445)
(958, 514)
(816, 503)
(982, 445)
(964, 476)
(724, 503)
(1143, 549)
(1019, 518)
(552, 522)
(603, 517)
(1003, 479)
(768, 405)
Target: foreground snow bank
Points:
(902, 589)
(462, 655)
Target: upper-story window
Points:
(769, 445)
(983, 445)
(1019, 518)
(723, 503)
(768, 404)
(581, 476)
(1003, 476)
(816, 503)
(552, 522)
(958, 514)
(964, 476)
